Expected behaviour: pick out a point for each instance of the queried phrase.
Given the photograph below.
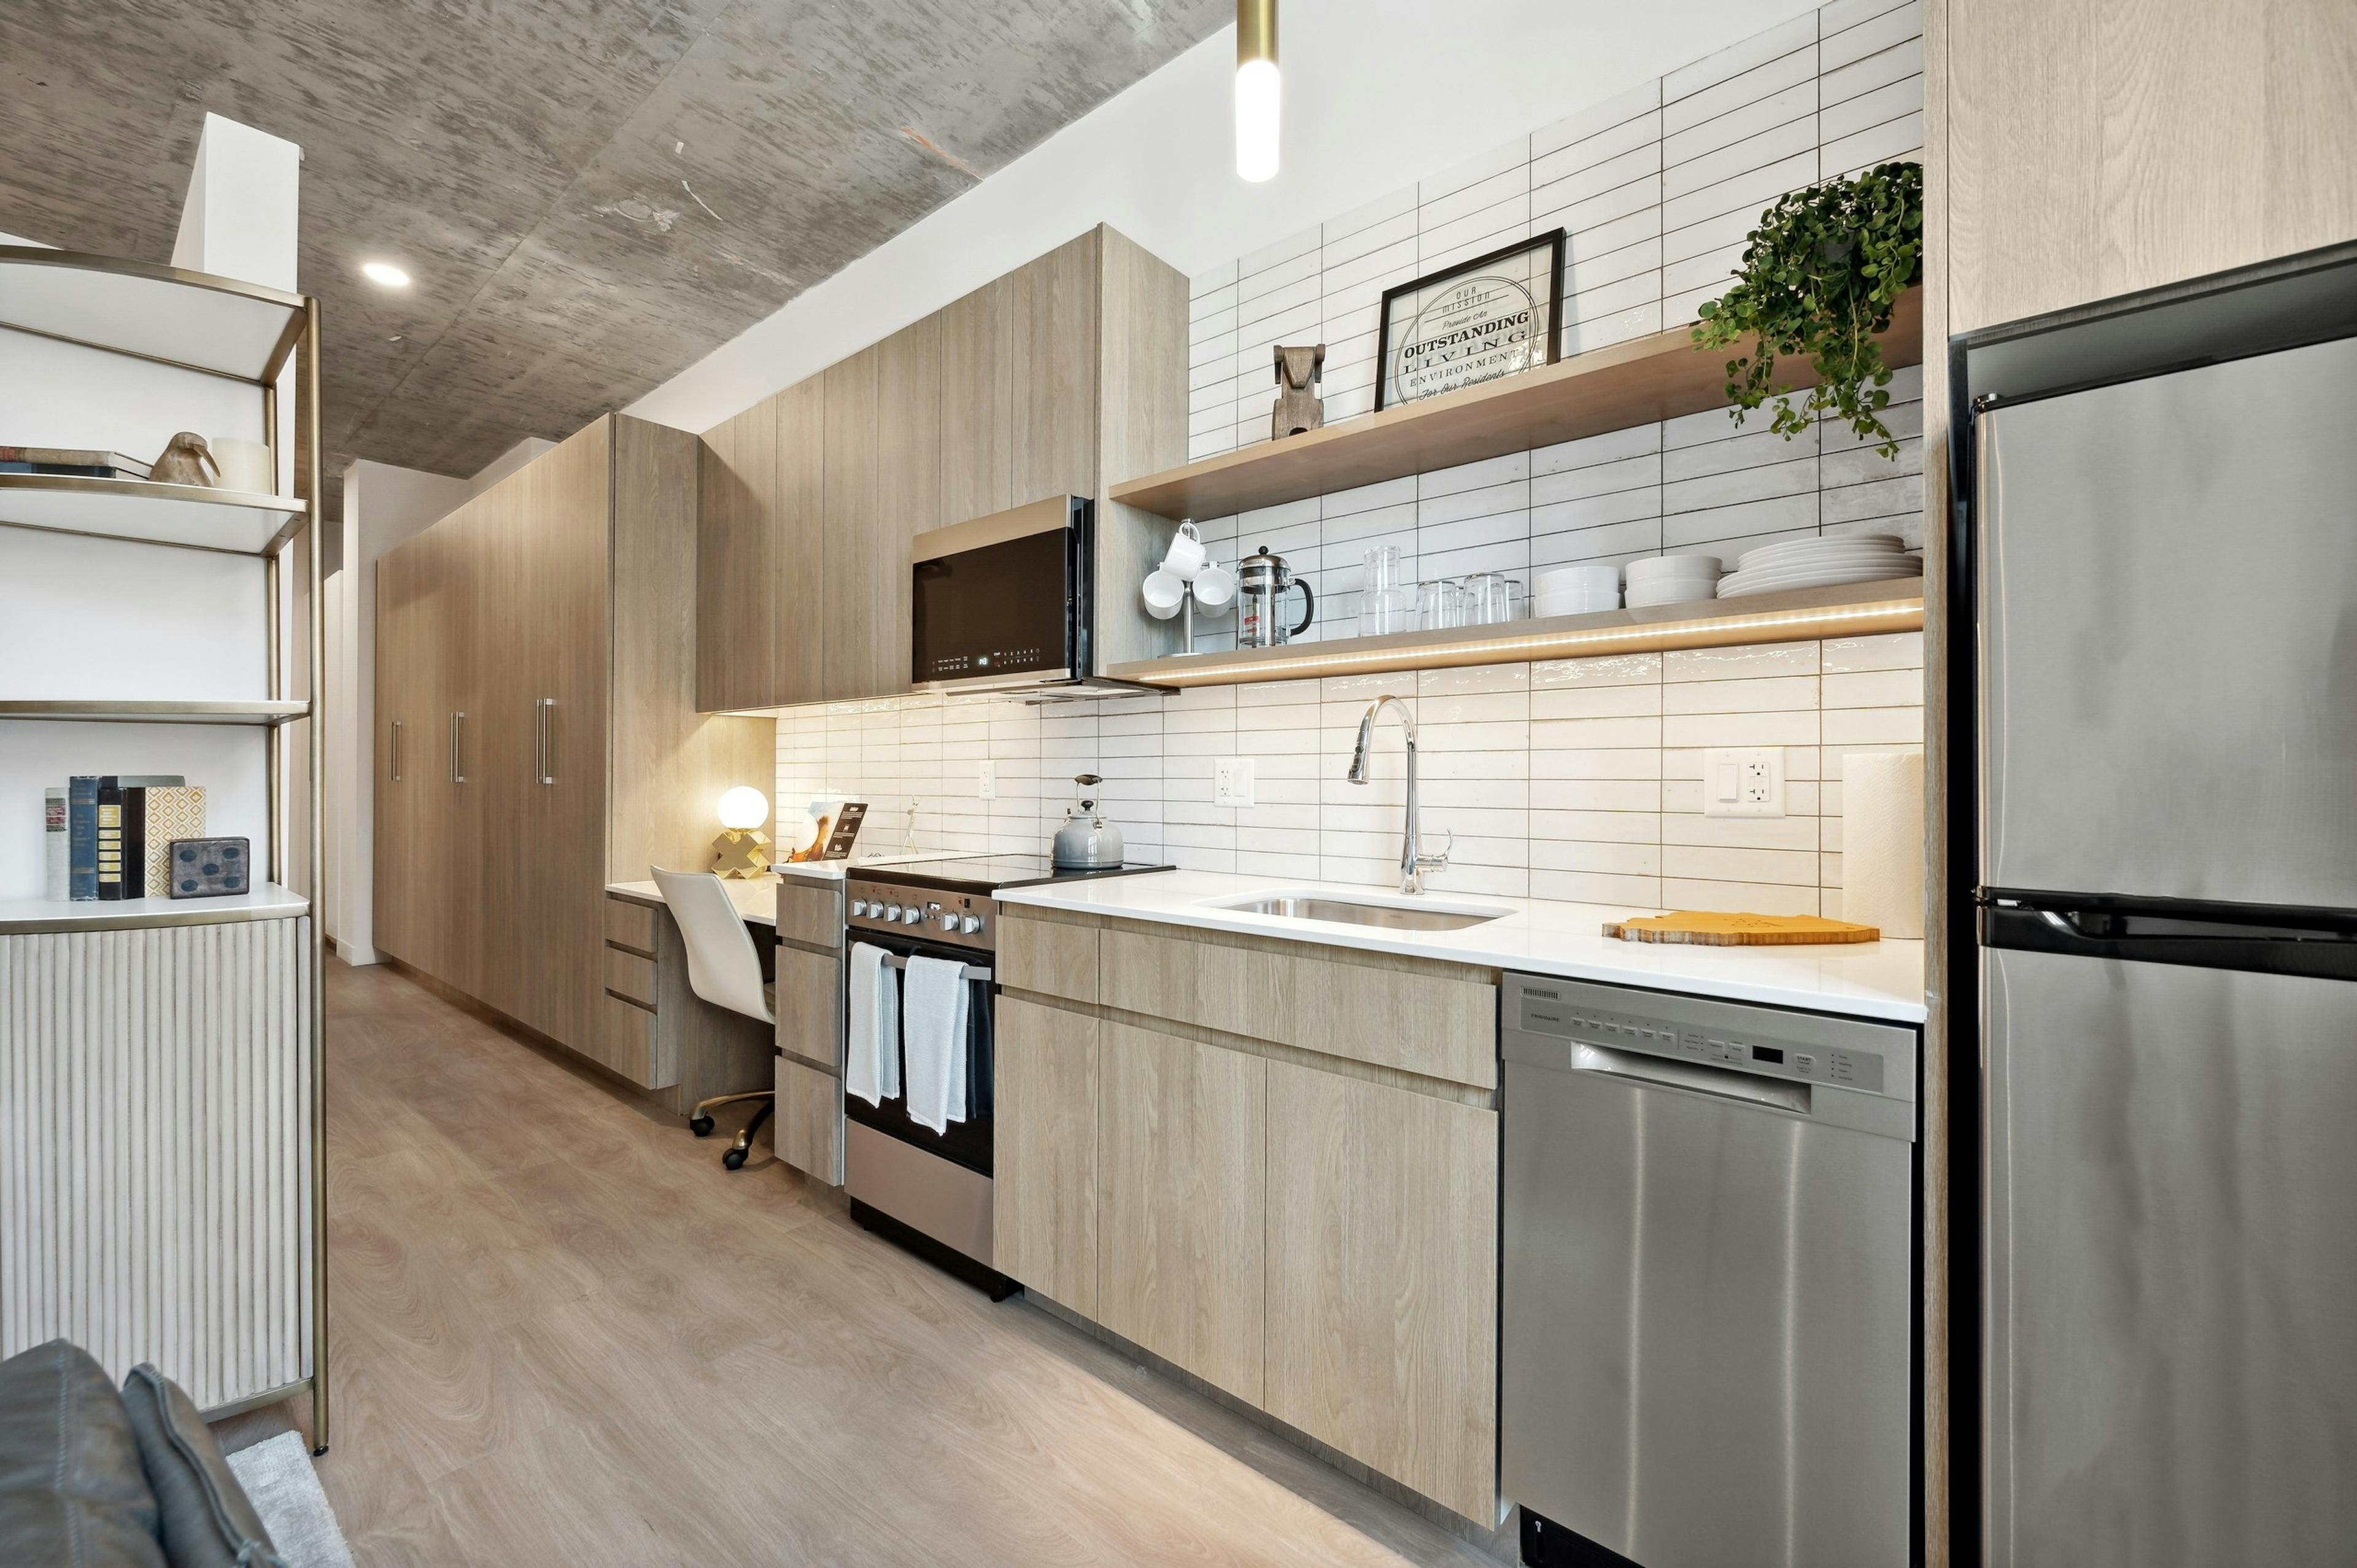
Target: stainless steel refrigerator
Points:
(2166, 569)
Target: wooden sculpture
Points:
(1298, 407)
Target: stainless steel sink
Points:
(1350, 912)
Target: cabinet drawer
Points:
(1044, 956)
(1430, 1022)
(626, 1042)
(1176, 977)
(809, 1006)
(812, 914)
(633, 924)
(809, 1122)
(1044, 1207)
(631, 975)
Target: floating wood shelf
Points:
(93, 709)
(152, 513)
(26, 917)
(199, 322)
(1661, 377)
(1855, 609)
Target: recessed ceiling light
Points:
(385, 273)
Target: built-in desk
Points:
(698, 1051)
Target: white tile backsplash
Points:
(1576, 778)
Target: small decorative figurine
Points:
(1298, 407)
(184, 462)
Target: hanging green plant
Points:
(1819, 279)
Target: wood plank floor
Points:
(562, 1334)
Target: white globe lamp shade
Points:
(744, 808)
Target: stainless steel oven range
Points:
(930, 1191)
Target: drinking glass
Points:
(1440, 604)
(1491, 597)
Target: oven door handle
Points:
(900, 961)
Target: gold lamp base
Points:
(741, 852)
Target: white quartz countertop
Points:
(1536, 935)
(756, 897)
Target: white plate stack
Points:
(1819, 564)
(1577, 590)
(1672, 579)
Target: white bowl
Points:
(1585, 578)
(1650, 567)
(1645, 598)
(1574, 605)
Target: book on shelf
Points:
(110, 838)
(81, 837)
(72, 460)
(175, 810)
(57, 885)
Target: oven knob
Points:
(947, 920)
(972, 923)
(858, 908)
(892, 914)
(912, 915)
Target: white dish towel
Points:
(871, 1056)
(934, 1033)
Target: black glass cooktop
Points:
(986, 874)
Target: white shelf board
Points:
(164, 712)
(196, 319)
(238, 521)
(24, 917)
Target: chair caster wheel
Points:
(700, 1125)
(734, 1159)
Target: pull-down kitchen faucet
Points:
(1413, 861)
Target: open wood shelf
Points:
(1661, 377)
(269, 901)
(195, 320)
(97, 710)
(1854, 609)
(152, 513)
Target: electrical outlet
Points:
(1231, 781)
(1746, 782)
(988, 783)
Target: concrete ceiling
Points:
(590, 194)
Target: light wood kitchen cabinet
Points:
(1182, 1142)
(855, 606)
(1047, 956)
(1383, 1301)
(809, 1006)
(554, 612)
(1059, 378)
(807, 1127)
(1044, 1198)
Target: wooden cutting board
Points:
(1711, 930)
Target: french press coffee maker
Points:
(1260, 581)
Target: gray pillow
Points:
(72, 1490)
(203, 1516)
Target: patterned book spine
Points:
(174, 811)
(53, 837)
(81, 837)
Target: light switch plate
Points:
(1743, 782)
(1231, 781)
(988, 783)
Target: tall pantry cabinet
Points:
(538, 733)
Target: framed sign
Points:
(1471, 323)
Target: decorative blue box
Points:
(210, 868)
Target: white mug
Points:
(1165, 592)
(1186, 555)
(244, 465)
(1215, 588)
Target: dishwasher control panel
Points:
(1773, 1044)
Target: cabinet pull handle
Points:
(544, 738)
(394, 766)
(458, 772)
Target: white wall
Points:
(1377, 94)
(383, 505)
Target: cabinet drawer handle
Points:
(458, 772)
(394, 767)
(544, 739)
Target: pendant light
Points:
(1257, 90)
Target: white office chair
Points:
(725, 968)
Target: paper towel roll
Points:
(1882, 841)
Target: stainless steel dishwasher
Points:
(1708, 1347)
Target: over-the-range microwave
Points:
(1008, 603)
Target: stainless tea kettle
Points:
(1261, 581)
(1086, 841)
